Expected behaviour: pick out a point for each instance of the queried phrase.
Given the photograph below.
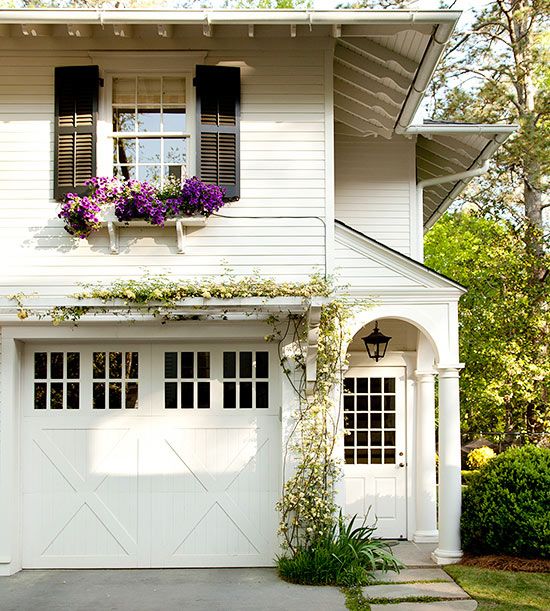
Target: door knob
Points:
(401, 464)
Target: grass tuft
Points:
(345, 556)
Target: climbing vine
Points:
(307, 507)
(159, 295)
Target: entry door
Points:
(374, 448)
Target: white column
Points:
(425, 488)
(450, 493)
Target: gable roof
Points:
(370, 261)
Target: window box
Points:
(113, 225)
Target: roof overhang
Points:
(444, 150)
(225, 17)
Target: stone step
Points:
(448, 589)
(426, 574)
(448, 605)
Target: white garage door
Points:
(150, 456)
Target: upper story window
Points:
(153, 121)
(150, 133)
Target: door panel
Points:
(114, 478)
(374, 447)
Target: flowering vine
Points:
(158, 295)
(133, 199)
(307, 507)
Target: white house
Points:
(140, 444)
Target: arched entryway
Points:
(389, 410)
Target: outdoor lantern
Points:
(376, 343)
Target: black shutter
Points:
(218, 114)
(76, 100)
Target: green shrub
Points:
(506, 507)
(345, 556)
(480, 457)
(468, 476)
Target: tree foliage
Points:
(498, 69)
(505, 384)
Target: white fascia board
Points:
(229, 17)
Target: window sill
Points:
(180, 224)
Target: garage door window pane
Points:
(115, 365)
(132, 365)
(56, 365)
(56, 395)
(40, 365)
(73, 395)
(99, 365)
(262, 395)
(262, 364)
(40, 395)
(229, 395)
(115, 395)
(203, 364)
(187, 364)
(73, 365)
(229, 364)
(203, 395)
(170, 364)
(245, 401)
(245, 364)
(99, 396)
(170, 395)
(131, 395)
(187, 395)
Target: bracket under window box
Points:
(180, 225)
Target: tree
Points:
(505, 381)
(499, 69)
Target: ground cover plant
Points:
(503, 590)
(345, 555)
(505, 506)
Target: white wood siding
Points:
(282, 175)
(374, 183)
(356, 270)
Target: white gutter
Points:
(229, 17)
(422, 79)
(428, 129)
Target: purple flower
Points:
(138, 200)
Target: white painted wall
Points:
(283, 175)
(374, 181)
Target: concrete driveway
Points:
(162, 589)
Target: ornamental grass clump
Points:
(346, 555)
(136, 200)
